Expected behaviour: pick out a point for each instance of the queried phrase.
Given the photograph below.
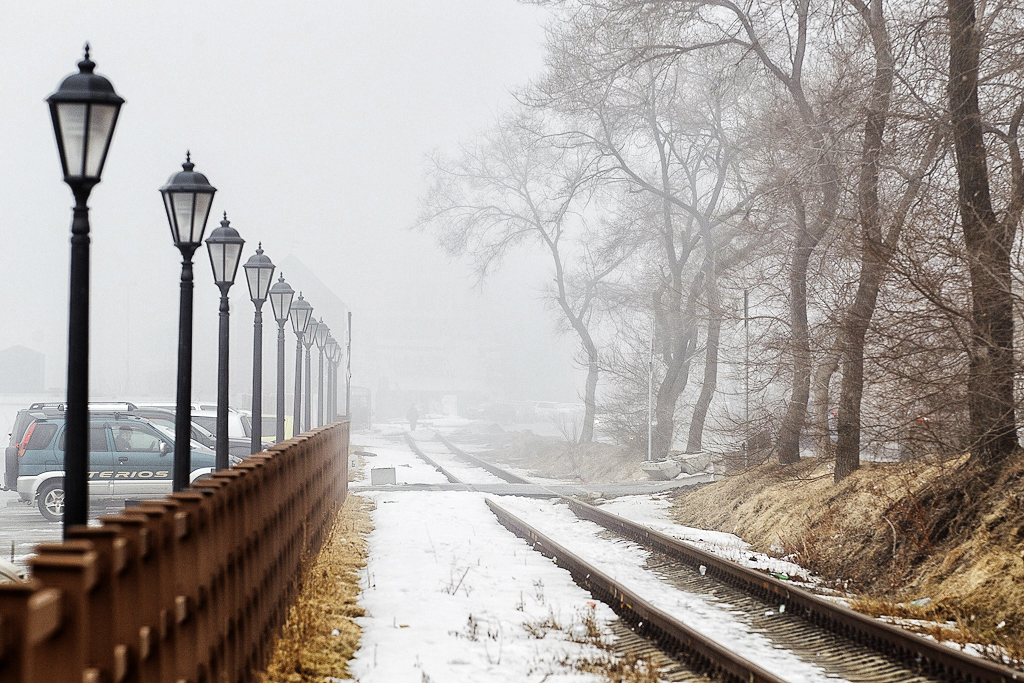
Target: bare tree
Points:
(515, 187)
(988, 239)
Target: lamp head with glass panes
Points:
(187, 199)
(330, 348)
(300, 314)
(322, 331)
(84, 112)
(310, 336)
(281, 295)
(259, 273)
(225, 247)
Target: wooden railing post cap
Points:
(82, 562)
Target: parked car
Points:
(165, 417)
(129, 458)
(21, 424)
(268, 434)
(205, 415)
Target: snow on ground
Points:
(471, 474)
(447, 591)
(624, 561)
(653, 511)
(390, 452)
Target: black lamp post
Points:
(300, 314)
(307, 340)
(84, 112)
(348, 370)
(321, 339)
(281, 303)
(187, 199)
(332, 377)
(225, 247)
(259, 272)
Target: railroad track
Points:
(845, 643)
(805, 615)
(473, 460)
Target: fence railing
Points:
(194, 587)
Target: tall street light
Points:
(300, 315)
(321, 339)
(281, 295)
(332, 350)
(84, 112)
(307, 340)
(187, 199)
(348, 370)
(259, 272)
(225, 247)
(337, 370)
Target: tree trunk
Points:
(874, 254)
(787, 446)
(590, 394)
(695, 437)
(680, 334)
(822, 378)
(993, 429)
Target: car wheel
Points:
(51, 501)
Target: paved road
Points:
(23, 526)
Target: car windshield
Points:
(168, 434)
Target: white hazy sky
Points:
(312, 120)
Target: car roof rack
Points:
(62, 406)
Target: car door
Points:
(143, 461)
(101, 460)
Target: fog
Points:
(312, 120)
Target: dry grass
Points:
(308, 649)
(892, 533)
(584, 629)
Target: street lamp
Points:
(300, 314)
(281, 302)
(321, 338)
(84, 112)
(259, 271)
(332, 349)
(307, 340)
(187, 199)
(225, 247)
(348, 369)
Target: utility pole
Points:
(746, 369)
(650, 391)
(348, 370)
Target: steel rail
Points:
(472, 459)
(430, 461)
(697, 650)
(930, 657)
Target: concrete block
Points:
(380, 476)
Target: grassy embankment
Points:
(309, 649)
(892, 534)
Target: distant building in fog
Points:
(21, 371)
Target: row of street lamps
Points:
(84, 111)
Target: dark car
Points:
(129, 458)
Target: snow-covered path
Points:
(466, 472)
(450, 595)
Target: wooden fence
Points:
(191, 588)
